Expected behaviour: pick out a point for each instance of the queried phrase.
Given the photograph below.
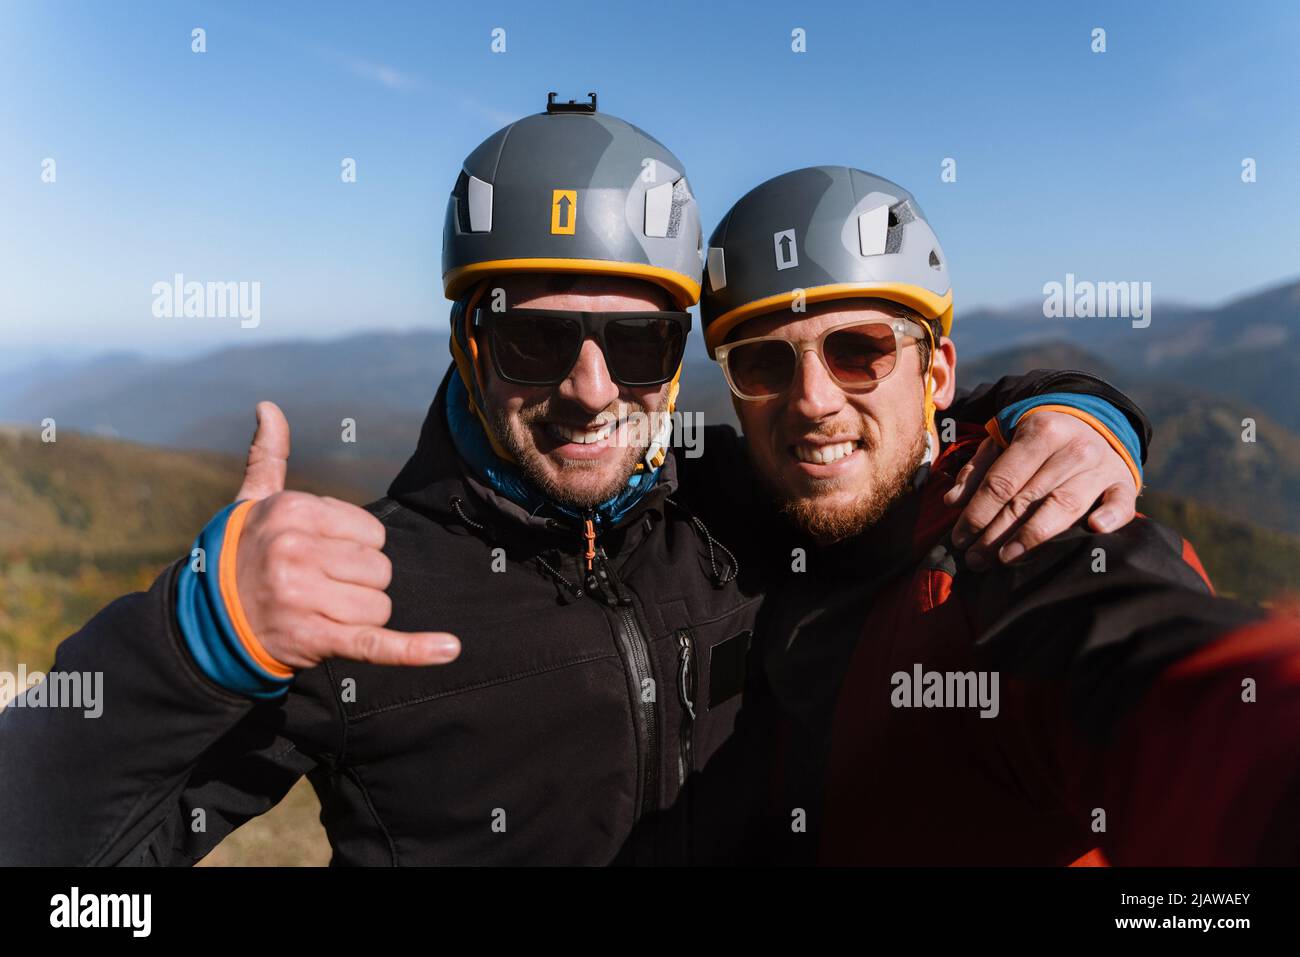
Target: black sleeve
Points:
(1134, 673)
(988, 399)
(171, 764)
(1102, 615)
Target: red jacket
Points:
(1120, 722)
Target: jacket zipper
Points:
(603, 580)
(687, 670)
(686, 691)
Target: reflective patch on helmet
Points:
(681, 197)
(658, 209)
(564, 212)
(873, 231)
(458, 195)
(900, 215)
(717, 268)
(787, 250)
(480, 205)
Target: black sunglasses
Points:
(541, 346)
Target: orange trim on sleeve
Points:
(1100, 427)
(1190, 556)
(230, 593)
(995, 433)
(1094, 858)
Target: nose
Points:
(813, 394)
(589, 384)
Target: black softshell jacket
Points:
(563, 734)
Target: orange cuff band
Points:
(230, 594)
(1092, 420)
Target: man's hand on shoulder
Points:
(1051, 475)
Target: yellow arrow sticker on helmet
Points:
(564, 211)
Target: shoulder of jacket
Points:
(1144, 548)
(383, 508)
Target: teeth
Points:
(824, 454)
(582, 438)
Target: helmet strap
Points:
(929, 380)
(465, 353)
(657, 453)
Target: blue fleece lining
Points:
(205, 624)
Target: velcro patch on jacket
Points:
(727, 661)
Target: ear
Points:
(943, 372)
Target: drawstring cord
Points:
(458, 504)
(719, 579)
(575, 590)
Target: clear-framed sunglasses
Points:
(856, 355)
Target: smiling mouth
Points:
(824, 453)
(582, 436)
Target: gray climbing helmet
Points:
(830, 232)
(573, 190)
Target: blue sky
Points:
(225, 165)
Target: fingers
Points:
(1054, 499)
(1045, 488)
(382, 646)
(268, 455)
(321, 516)
(1062, 508)
(1054, 470)
(354, 563)
(350, 604)
(1002, 481)
(343, 520)
(344, 581)
(972, 473)
(1118, 507)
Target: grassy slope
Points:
(1243, 561)
(84, 520)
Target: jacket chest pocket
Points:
(709, 768)
(709, 664)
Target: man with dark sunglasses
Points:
(601, 634)
(1090, 701)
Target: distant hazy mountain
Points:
(383, 381)
(1177, 331)
(1197, 370)
(1198, 451)
(1246, 349)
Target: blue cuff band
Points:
(1101, 410)
(205, 623)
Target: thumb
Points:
(268, 456)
